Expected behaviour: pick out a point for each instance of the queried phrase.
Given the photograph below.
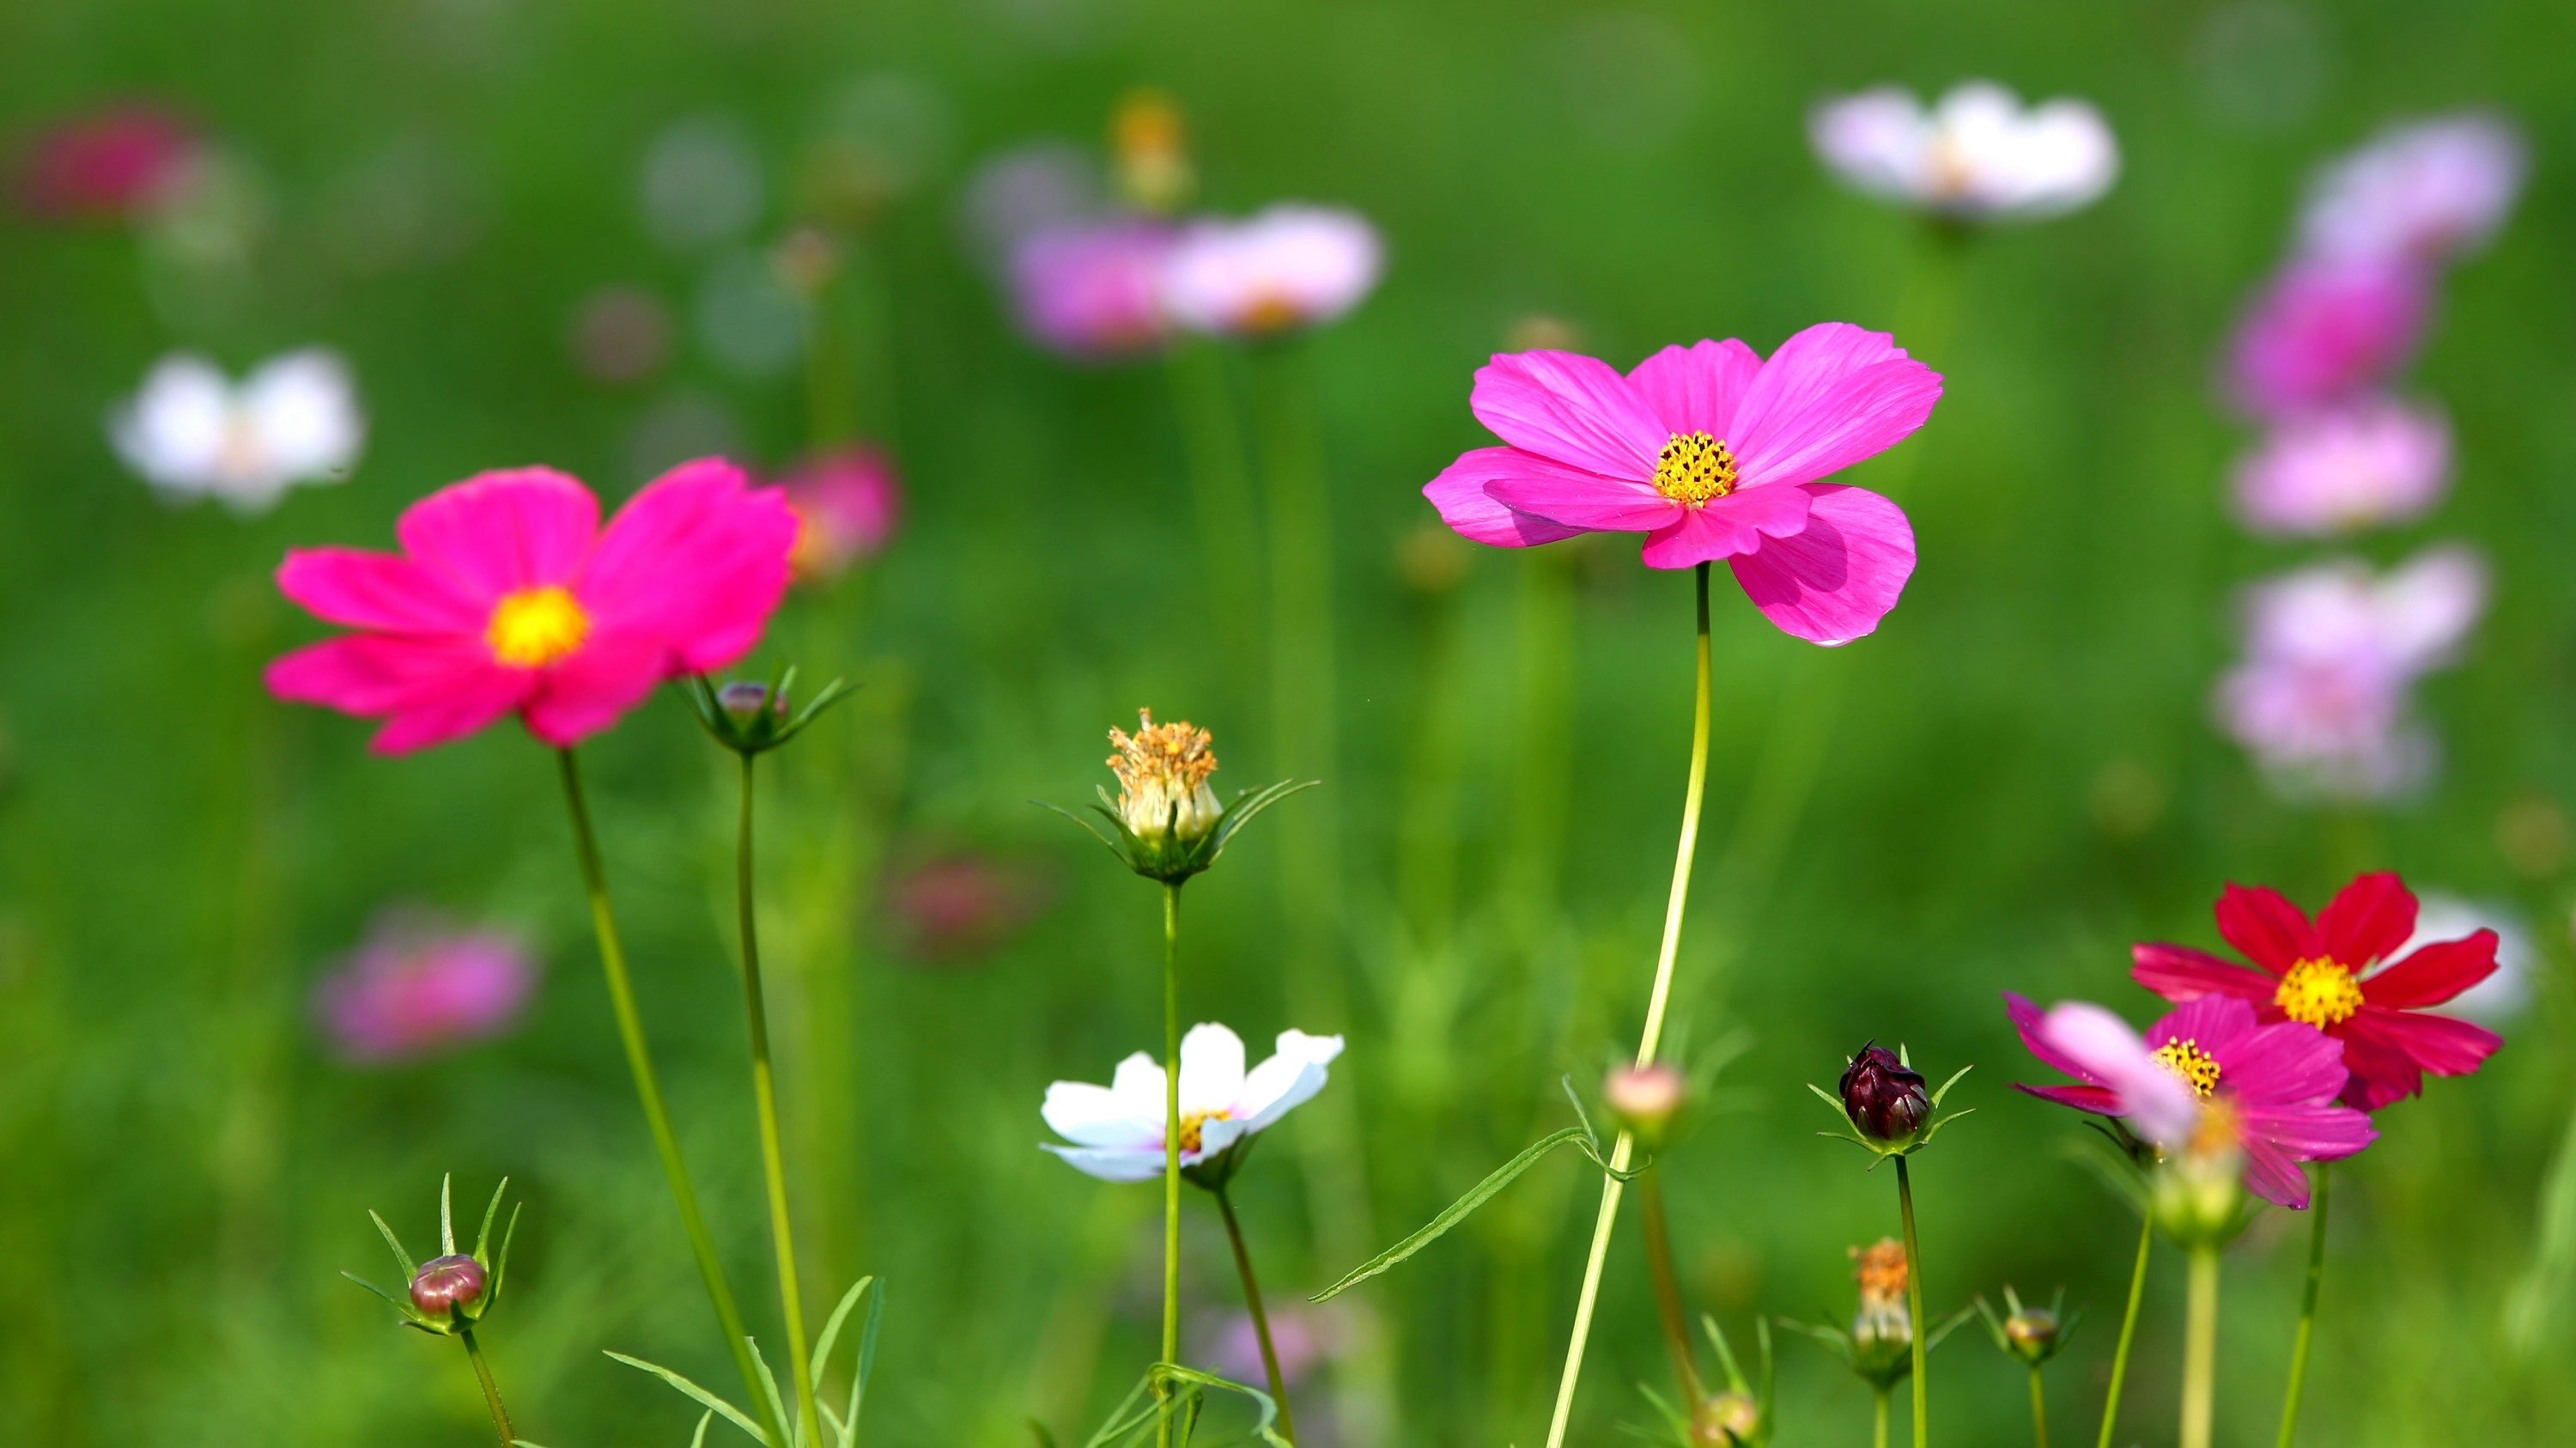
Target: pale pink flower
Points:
(847, 502)
(2369, 463)
(1980, 154)
(115, 163)
(2422, 191)
(1093, 289)
(1302, 1336)
(2326, 331)
(417, 987)
(1291, 266)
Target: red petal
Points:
(2442, 1045)
(2382, 1074)
(2180, 973)
(2269, 930)
(2433, 974)
(2367, 920)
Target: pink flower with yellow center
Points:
(508, 597)
(1711, 452)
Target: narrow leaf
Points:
(1105, 842)
(483, 1238)
(701, 1396)
(400, 1305)
(410, 1269)
(1262, 1402)
(832, 1328)
(1456, 1211)
(699, 1438)
(1953, 1081)
(769, 1383)
(867, 1365)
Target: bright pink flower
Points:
(1093, 289)
(507, 596)
(2325, 330)
(2421, 191)
(2278, 1082)
(2376, 461)
(111, 164)
(1712, 453)
(417, 987)
(847, 502)
(2329, 973)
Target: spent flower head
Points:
(454, 1290)
(1170, 824)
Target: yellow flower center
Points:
(2196, 1067)
(534, 627)
(2318, 992)
(1192, 1121)
(1694, 468)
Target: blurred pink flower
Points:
(1712, 452)
(847, 502)
(2324, 331)
(112, 164)
(2372, 462)
(1290, 266)
(2422, 191)
(956, 906)
(1980, 154)
(417, 987)
(508, 597)
(1302, 1336)
(1093, 289)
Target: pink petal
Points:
(1459, 493)
(2274, 1175)
(1587, 501)
(1728, 527)
(465, 709)
(500, 531)
(383, 591)
(1833, 581)
(2309, 1133)
(2286, 1062)
(2433, 974)
(435, 690)
(1574, 409)
(1698, 388)
(2214, 1023)
(2367, 920)
(1831, 396)
(698, 559)
(2099, 1100)
(591, 690)
(2026, 1016)
(2180, 973)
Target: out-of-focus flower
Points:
(2422, 191)
(2500, 997)
(2373, 462)
(1288, 267)
(2347, 973)
(2272, 1087)
(1979, 155)
(1302, 1336)
(1152, 151)
(1882, 1332)
(1712, 452)
(847, 503)
(2327, 330)
(700, 183)
(111, 164)
(1117, 1130)
(508, 597)
(192, 433)
(621, 334)
(1646, 1098)
(1093, 289)
(954, 906)
(418, 987)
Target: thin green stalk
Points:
(1221, 499)
(648, 1093)
(1171, 1146)
(1652, 1037)
(2038, 1409)
(2200, 1348)
(2307, 1310)
(491, 1389)
(773, 1161)
(1260, 1317)
(1878, 1421)
(2128, 1330)
(1914, 1307)
(1668, 1289)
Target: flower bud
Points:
(448, 1288)
(2032, 1334)
(1884, 1097)
(1725, 1420)
(1645, 1098)
(743, 700)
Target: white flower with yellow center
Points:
(192, 432)
(1117, 1129)
(1978, 155)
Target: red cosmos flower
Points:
(2329, 974)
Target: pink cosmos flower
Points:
(508, 597)
(2370, 463)
(1290, 266)
(2342, 973)
(1093, 289)
(2326, 330)
(1302, 1336)
(2422, 192)
(1711, 452)
(2276, 1083)
(847, 502)
(417, 987)
(111, 164)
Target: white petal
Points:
(1113, 1166)
(305, 412)
(1097, 1116)
(1288, 1079)
(173, 431)
(1211, 1068)
(1139, 1088)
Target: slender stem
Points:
(773, 1161)
(1171, 1145)
(2038, 1408)
(1878, 1421)
(1914, 1306)
(2128, 1330)
(648, 1092)
(2307, 1310)
(2200, 1348)
(1221, 489)
(1653, 1035)
(491, 1389)
(1668, 1288)
(1260, 1317)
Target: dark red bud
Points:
(445, 1284)
(1883, 1096)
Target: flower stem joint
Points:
(1884, 1103)
(750, 717)
(451, 1292)
(1168, 824)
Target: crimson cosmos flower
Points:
(2328, 973)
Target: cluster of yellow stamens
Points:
(534, 627)
(1192, 1123)
(2196, 1067)
(1881, 1271)
(1693, 468)
(2321, 993)
(1170, 758)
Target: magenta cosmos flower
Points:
(2326, 330)
(417, 987)
(110, 164)
(509, 597)
(847, 503)
(2276, 1083)
(1711, 452)
(2336, 973)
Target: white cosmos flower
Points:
(1290, 266)
(1117, 1129)
(191, 432)
(1979, 154)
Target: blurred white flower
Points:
(2366, 464)
(2501, 996)
(192, 433)
(2423, 191)
(1290, 266)
(1118, 1129)
(1980, 154)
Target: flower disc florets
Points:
(1882, 1333)
(1162, 771)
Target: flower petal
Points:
(2026, 1016)
(1571, 408)
(2433, 974)
(593, 688)
(1729, 527)
(2285, 1062)
(1289, 1079)
(2310, 1133)
(1587, 501)
(2266, 928)
(2157, 1102)
(356, 588)
(1831, 396)
(1697, 388)
(1211, 1068)
(2442, 1045)
(2099, 1100)
(1138, 1085)
(1089, 1115)
(1112, 1165)
(499, 531)
(2180, 973)
(1459, 493)
(2367, 920)
(2274, 1175)
(2214, 1023)
(1835, 579)
(697, 559)
(433, 690)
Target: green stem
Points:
(1221, 496)
(1914, 1306)
(1668, 1290)
(2200, 1348)
(1260, 1317)
(2128, 1330)
(2307, 1310)
(2038, 1409)
(491, 1389)
(1653, 1035)
(1878, 1421)
(1171, 1145)
(773, 1161)
(648, 1092)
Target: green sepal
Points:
(766, 729)
(1172, 859)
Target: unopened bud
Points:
(1646, 1098)
(743, 701)
(448, 1287)
(1725, 1420)
(2031, 1333)
(1884, 1097)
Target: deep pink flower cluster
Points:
(417, 987)
(116, 163)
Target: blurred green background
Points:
(2011, 781)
